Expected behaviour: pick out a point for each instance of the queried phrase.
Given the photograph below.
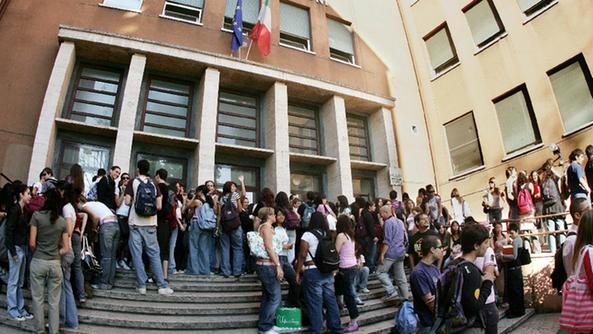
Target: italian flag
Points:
(261, 33)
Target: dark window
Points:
(237, 119)
(229, 172)
(358, 138)
(441, 49)
(96, 95)
(168, 107)
(483, 21)
(517, 120)
(303, 182)
(250, 13)
(176, 167)
(303, 130)
(89, 157)
(364, 187)
(184, 10)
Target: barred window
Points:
(358, 137)
(184, 10)
(303, 130)
(168, 107)
(237, 119)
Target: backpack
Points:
(559, 275)
(405, 319)
(360, 230)
(326, 256)
(3, 249)
(524, 202)
(145, 204)
(92, 194)
(229, 216)
(206, 218)
(292, 220)
(450, 317)
(564, 188)
(524, 257)
(309, 209)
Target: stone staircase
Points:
(199, 305)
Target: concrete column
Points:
(206, 125)
(122, 155)
(335, 136)
(383, 149)
(53, 103)
(277, 175)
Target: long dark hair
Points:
(282, 200)
(267, 196)
(53, 204)
(318, 222)
(344, 225)
(584, 236)
(77, 177)
(342, 202)
(71, 195)
(226, 188)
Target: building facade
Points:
(109, 82)
(500, 81)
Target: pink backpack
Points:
(525, 202)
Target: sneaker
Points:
(82, 299)
(165, 291)
(271, 331)
(352, 327)
(150, 280)
(393, 296)
(95, 286)
(359, 301)
(117, 265)
(141, 291)
(365, 290)
(27, 316)
(123, 265)
(179, 272)
(19, 318)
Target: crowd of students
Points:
(143, 221)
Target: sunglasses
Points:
(125, 178)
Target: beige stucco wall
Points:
(380, 25)
(529, 49)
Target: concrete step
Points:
(508, 325)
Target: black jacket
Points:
(106, 192)
(16, 229)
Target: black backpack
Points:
(326, 256)
(559, 275)
(145, 205)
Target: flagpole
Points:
(249, 50)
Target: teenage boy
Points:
(432, 205)
(106, 188)
(514, 275)
(476, 287)
(575, 176)
(423, 280)
(392, 255)
(143, 234)
(423, 230)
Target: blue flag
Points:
(237, 41)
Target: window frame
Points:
(367, 140)
(449, 63)
(183, 160)
(470, 169)
(75, 88)
(580, 59)
(338, 55)
(227, 23)
(284, 35)
(256, 190)
(173, 3)
(318, 176)
(139, 10)
(316, 128)
(523, 89)
(257, 118)
(190, 101)
(372, 196)
(501, 29)
(68, 142)
(536, 8)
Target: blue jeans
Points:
(294, 290)
(172, 243)
(144, 239)
(371, 256)
(271, 296)
(234, 241)
(14, 289)
(362, 278)
(76, 268)
(555, 224)
(204, 254)
(319, 294)
(109, 243)
(68, 311)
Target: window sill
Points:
(414, 2)
(367, 165)
(297, 49)
(579, 129)
(159, 139)
(82, 127)
(522, 151)
(180, 20)
(492, 42)
(447, 70)
(119, 8)
(244, 151)
(539, 12)
(345, 63)
(312, 159)
(466, 173)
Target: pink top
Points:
(347, 254)
(325, 209)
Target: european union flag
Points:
(237, 41)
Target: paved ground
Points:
(540, 324)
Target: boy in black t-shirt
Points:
(414, 248)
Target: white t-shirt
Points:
(98, 209)
(331, 222)
(489, 259)
(280, 233)
(312, 240)
(69, 212)
(178, 210)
